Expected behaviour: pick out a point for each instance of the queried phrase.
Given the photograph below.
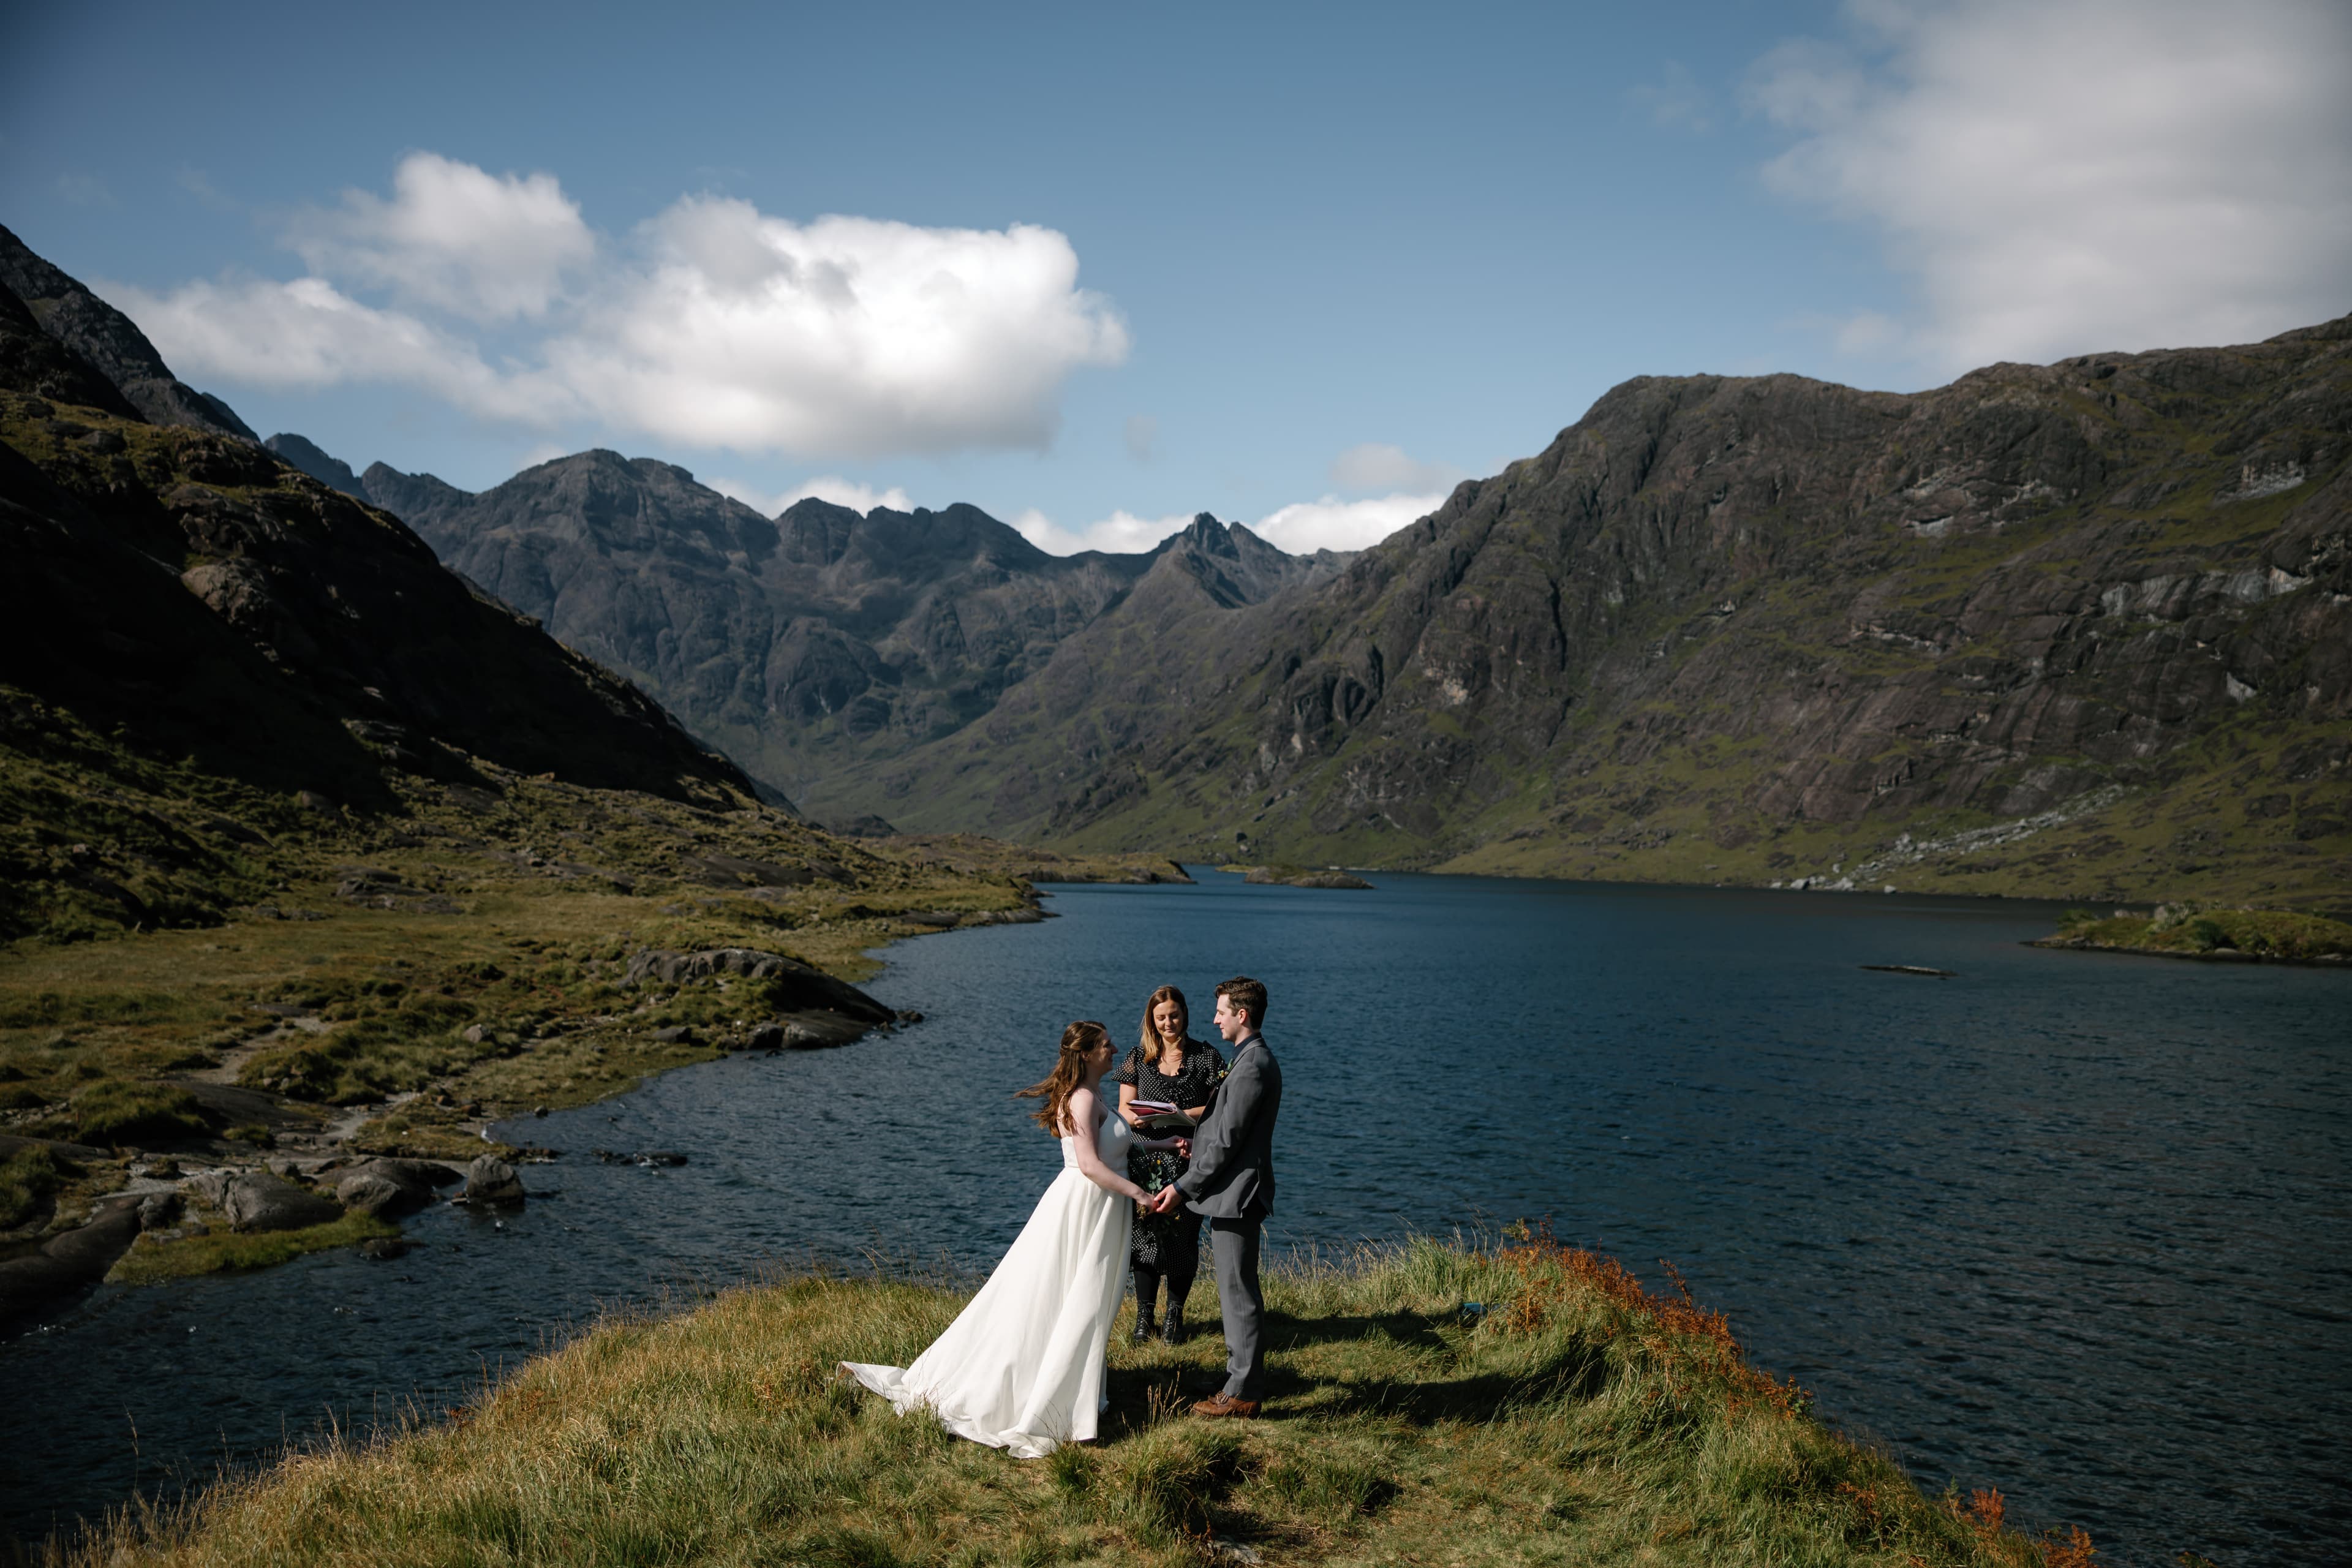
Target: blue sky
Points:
(1300, 266)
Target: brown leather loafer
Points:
(1225, 1405)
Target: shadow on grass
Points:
(1141, 1397)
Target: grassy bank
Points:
(2193, 931)
(1566, 1417)
(461, 956)
(222, 1250)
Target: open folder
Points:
(1159, 1118)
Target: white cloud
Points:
(1120, 533)
(848, 335)
(1302, 529)
(454, 238)
(858, 498)
(2067, 176)
(1331, 524)
(308, 334)
(842, 337)
(1374, 467)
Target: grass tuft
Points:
(1573, 1416)
(150, 1260)
(27, 1177)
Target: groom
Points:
(1232, 1181)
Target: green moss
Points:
(220, 1251)
(27, 1177)
(115, 1110)
(2187, 928)
(1578, 1419)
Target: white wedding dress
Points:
(1021, 1367)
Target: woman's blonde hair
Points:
(1152, 1044)
(1069, 1067)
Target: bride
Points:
(1021, 1367)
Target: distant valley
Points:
(2082, 630)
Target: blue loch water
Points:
(2070, 1226)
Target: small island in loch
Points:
(2187, 929)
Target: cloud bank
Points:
(1301, 528)
(2060, 176)
(831, 487)
(716, 325)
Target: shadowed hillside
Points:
(806, 644)
(2082, 630)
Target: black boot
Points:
(1147, 1291)
(1171, 1327)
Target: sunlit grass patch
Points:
(220, 1250)
(1438, 1401)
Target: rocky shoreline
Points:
(2209, 955)
(300, 1175)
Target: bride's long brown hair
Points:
(1069, 1069)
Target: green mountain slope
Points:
(808, 645)
(2076, 630)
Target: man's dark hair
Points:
(1247, 994)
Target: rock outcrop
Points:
(2080, 629)
(389, 1187)
(490, 1182)
(104, 339)
(233, 613)
(256, 1200)
(812, 642)
(786, 984)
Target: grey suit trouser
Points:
(1242, 1304)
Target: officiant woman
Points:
(1166, 1065)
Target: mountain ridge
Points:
(806, 643)
(184, 612)
(2026, 633)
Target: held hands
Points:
(1165, 1200)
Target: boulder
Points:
(794, 986)
(210, 1188)
(256, 1200)
(157, 1210)
(490, 1180)
(388, 1187)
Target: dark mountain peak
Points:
(417, 499)
(110, 343)
(1234, 566)
(307, 456)
(34, 362)
(2335, 331)
(813, 532)
(906, 542)
(1204, 532)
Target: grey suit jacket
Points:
(1233, 1151)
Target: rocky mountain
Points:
(104, 341)
(305, 455)
(2083, 629)
(809, 644)
(178, 595)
